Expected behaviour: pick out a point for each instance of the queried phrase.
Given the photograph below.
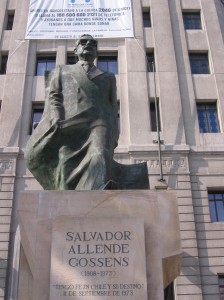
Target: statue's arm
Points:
(56, 97)
(113, 99)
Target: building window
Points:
(71, 59)
(153, 115)
(150, 60)
(107, 63)
(221, 286)
(45, 63)
(199, 63)
(192, 20)
(146, 18)
(216, 205)
(9, 20)
(208, 117)
(3, 63)
(37, 113)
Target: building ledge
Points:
(9, 150)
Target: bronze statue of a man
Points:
(73, 145)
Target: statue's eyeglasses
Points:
(90, 42)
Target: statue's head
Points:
(86, 48)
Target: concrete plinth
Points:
(98, 244)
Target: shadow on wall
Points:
(189, 118)
(15, 134)
(220, 12)
(192, 272)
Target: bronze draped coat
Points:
(77, 153)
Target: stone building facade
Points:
(186, 40)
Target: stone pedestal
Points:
(98, 244)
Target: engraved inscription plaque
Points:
(98, 258)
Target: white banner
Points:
(68, 19)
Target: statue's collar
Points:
(83, 62)
(94, 72)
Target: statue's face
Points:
(86, 48)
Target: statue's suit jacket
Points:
(73, 92)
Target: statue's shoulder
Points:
(109, 75)
(66, 68)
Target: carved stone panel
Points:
(7, 166)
